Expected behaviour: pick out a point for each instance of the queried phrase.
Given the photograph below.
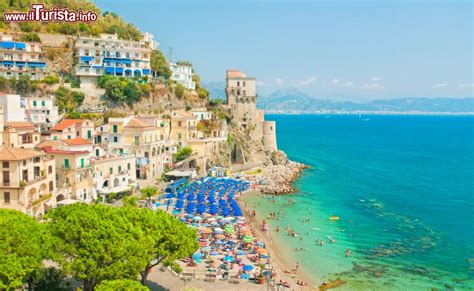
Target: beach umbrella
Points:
(244, 276)
(247, 239)
(241, 253)
(262, 251)
(214, 253)
(206, 230)
(212, 219)
(220, 236)
(197, 218)
(260, 244)
(218, 230)
(247, 268)
(219, 217)
(205, 249)
(229, 259)
(197, 256)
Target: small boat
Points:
(334, 218)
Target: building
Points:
(27, 180)
(12, 107)
(73, 174)
(241, 92)
(21, 134)
(113, 173)
(109, 55)
(73, 128)
(21, 58)
(183, 74)
(147, 138)
(149, 38)
(40, 110)
(183, 127)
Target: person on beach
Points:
(297, 266)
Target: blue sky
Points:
(341, 50)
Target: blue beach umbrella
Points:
(229, 259)
(248, 268)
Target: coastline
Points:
(278, 262)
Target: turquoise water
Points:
(403, 187)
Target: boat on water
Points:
(334, 218)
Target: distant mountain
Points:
(292, 100)
(216, 89)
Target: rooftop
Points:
(65, 124)
(138, 123)
(8, 153)
(77, 141)
(50, 150)
(19, 124)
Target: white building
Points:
(21, 58)
(150, 39)
(108, 55)
(40, 110)
(183, 74)
(12, 108)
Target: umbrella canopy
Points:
(241, 253)
(262, 251)
(248, 268)
(197, 218)
(247, 239)
(197, 256)
(229, 259)
(218, 230)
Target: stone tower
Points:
(241, 93)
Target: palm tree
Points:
(148, 193)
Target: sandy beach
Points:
(279, 263)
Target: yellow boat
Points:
(334, 217)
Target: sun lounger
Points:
(234, 279)
(211, 277)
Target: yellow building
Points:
(183, 127)
(73, 174)
(27, 180)
(114, 173)
(21, 134)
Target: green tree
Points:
(21, 250)
(159, 64)
(96, 242)
(51, 279)
(172, 240)
(120, 285)
(179, 91)
(149, 192)
(67, 100)
(183, 153)
(24, 85)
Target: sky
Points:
(340, 50)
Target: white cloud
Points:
(375, 79)
(467, 85)
(373, 86)
(348, 84)
(440, 85)
(335, 81)
(308, 81)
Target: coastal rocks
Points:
(276, 178)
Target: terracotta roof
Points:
(135, 122)
(235, 74)
(77, 141)
(8, 153)
(50, 150)
(49, 143)
(19, 124)
(66, 123)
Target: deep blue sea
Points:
(403, 187)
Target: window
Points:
(238, 83)
(179, 135)
(66, 163)
(6, 177)
(5, 164)
(137, 140)
(68, 137)
(51, 186)
(111, 170)
(115, 138)
(6, 197)
(119, 169)
(180, 123)
(82, 163)
(55, 138)
(34, 103)
(78, 133)
(50, 169)
(89, 134)
(115, 128)
(243, 83)
(129, 166)
(43, 103)
(97, 152)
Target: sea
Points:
(403, 189)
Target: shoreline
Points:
(278, 262)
